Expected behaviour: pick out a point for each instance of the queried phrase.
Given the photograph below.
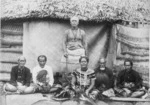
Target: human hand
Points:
(87, 92)
(132, 84)
(92, 96)
(73, 86)
(21, 88)
(126, 92)
(46, 88)
(78, 90)
(126, 85)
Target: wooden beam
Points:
(129, 99)
(5, 46)
(11, 32)
(11, 62)
(11, 42)
(11, 50)
(5, 71)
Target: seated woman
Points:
(83, 79)
(81, 84)
(20, 79)
(129, 82)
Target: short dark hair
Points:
(87, 59)
(42, 56)
(128, 60)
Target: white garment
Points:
(73, 56)
(36, 70)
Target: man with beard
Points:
(104, 81)
(129, 82)
(83, 79)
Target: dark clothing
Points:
(125, 76)
(104, 78)
(18, 75)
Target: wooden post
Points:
(2, 95)
(149, 61)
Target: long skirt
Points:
(70, 63)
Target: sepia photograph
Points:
(74, 52)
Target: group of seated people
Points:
(96, 84)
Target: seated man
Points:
(129, 82)
(42, 76)
(20, 78)
(104, 81)
(83, 79)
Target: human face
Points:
(102, 65)
(74, 23)
(127, 65)
(42, 62)
(21, 62)
(83, 64)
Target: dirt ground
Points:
(39, 99)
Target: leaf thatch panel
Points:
(89, 10)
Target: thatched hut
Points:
(33, 27)
(116, 29)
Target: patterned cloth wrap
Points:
(97, 94)
(83, 81)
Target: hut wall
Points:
(46, 37)
(11, 47)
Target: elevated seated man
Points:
(20, 79)
(104, 81)
(75, 39)
(74, 45)
(83, 79)
(42, 76)
(129, 82)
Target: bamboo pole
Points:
(129, 99)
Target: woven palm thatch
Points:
(89, 10)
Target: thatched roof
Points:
(89, 10)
